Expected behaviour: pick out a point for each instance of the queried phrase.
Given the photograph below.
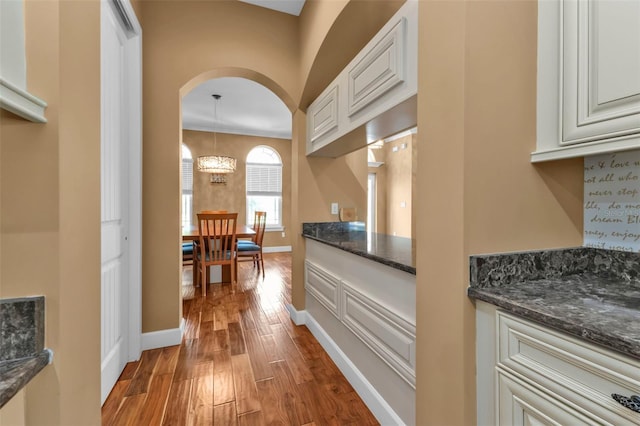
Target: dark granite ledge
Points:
(22, 352)
(395, 252)
(589, 293)
(15, 374)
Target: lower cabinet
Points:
(534, 375)
(363, 313)
(522, 404)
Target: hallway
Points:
(242, 361)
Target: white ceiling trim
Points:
(292, 7)
(243, 132)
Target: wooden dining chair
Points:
(251, 251)
(187, 253)
(195, 246)
(217, 244)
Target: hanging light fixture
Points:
(218, 165)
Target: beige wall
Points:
(381, 191)
(399, 187)
(317, 182)
(50, 207)
(232, 196)
(477, 191)
(186, 42)
(396, 182)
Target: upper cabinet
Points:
(14, 96)
(374, 96)
(588, 78)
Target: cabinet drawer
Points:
(582, 374)
(521, 404)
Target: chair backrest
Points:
(214, 212)
(217, 236)
(259, 225)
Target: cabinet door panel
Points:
(323, 115)
(522, 405)
(601, 70)
(379, 70)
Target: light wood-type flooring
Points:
(241, 362)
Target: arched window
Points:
(187, 186)
(264, 185)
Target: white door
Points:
(114, 201)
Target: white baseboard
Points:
(277, 249)
(162, 338)
(376, 403)
(298, 317)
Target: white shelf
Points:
(21, 102)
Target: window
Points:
(264, 185)
(187, 186)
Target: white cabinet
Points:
(521, 404)
(364, 315)
(380, 69)
(374, 96)
(14, 96)
(588, 77)
(322, 115)
(542, 376)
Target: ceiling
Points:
(245, 108)
(292, 7)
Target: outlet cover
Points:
(334, 208)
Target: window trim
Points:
(279, 226)
(184, 192)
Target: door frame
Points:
(372, 201)
(133, 83)
(133, 54)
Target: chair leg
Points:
(262, 263)
(196, 276)
(234, 271)
(205, 278)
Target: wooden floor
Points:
(241, 362)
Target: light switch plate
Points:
(334, 208)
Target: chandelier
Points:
(218, 165)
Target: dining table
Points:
(192, 233)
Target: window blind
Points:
(187, 176)
(264, 179)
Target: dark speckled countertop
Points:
(395, 252)
(589, 293)
(22, 352)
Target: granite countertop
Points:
(395, 252)
(589, 293)
(22, 352)
(15, 374)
